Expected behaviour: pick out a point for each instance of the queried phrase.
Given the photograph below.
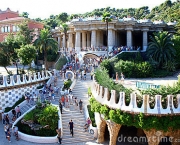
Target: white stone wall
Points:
(102, 95)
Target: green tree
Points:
(106, 18)
(25, 14)
(11, 43)
(27, 53)
(63, 17)
(46, 42)
(25, 33)
(161, 48)
(4, 59)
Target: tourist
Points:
(122, 78)
(18, 112)
(35, 98)
(53, 95)
(13, 119)
(8, 136)
(7, 118)
(88, 122)
(3, 118)
(60, 106)
(71, 126)
(117, 77)
(67, 102)
(6, 128)
(63, 100)
(59, 135)
(15, 132)
(80, 105)
(92, 73)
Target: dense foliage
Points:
(91, 115)
(44, 116)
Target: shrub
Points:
(7, 109)
(47, 116)
(67, 84)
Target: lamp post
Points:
(107, 34)
(107, 20)
(36, 60)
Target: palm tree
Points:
(46, 42)
(161, 49)
(106, 18)
(64, 29)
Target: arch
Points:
(166, 140)
(131, 135)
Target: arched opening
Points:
(130, 135)
(165, 141)
(106, 134)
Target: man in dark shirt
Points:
(71, 125)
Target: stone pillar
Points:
(129, 37)
(84, 40)
(88, 39)
(59, 42)
(98, 38)
(145, 40)
(111, 39)
(93, 39)
(113, 131)
(78, 40)
(101, 126)
(64, 41)
(70, 41)
(101, 38)
(156, 136)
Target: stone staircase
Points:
(79, 91)
(26, 107)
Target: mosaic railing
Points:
(8, 81)
(103, 96)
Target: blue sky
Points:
(44, 8)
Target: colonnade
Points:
(81, 39)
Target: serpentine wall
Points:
(13, 88)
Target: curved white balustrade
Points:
(16, 80)
(102, 95)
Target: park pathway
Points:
(79, 91)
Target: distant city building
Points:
(9, 21)
(91, 33)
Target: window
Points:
(15, 28)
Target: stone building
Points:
(9, 21)
(91, 33)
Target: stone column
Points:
(101, 126)
(145, 40)
(59, 42)
(101, 38)
(93, 39)
(78, 40)
(84, 40)
(64, 41)
(113, 131)
(88, 39)
(98, 38)
(70, 42)
(129, 37)
(111, 37)
(156, 137)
